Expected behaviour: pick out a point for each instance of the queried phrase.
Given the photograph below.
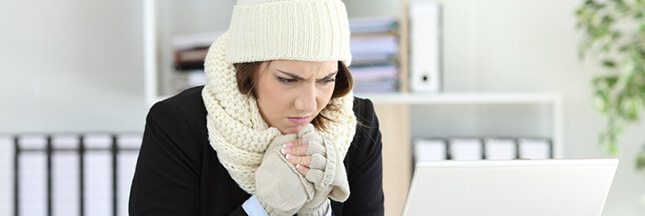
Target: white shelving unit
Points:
(150, 52)
(553, 100)
(396, 120)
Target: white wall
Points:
(70, 66)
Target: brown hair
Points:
(344, 82)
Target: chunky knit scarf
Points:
(237, 131)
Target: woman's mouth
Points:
(299, 120)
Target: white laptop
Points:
(510, 187)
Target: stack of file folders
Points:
(374, 47)
(189, 52)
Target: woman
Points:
(275, 131)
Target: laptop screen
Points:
(510, 187)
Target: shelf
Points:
(462, 98)
(475, 98)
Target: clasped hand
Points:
(295, 151)
(319, 174)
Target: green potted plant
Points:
(614, 31)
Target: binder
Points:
(533, 148)
(32, 175)
(98, 175)
(500, 149)
(425, 46)
(6, 182)
(465, 149)
(429, 150)
(65, 176)
(129, 145)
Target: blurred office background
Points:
(76, 67)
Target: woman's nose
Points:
(306, 100)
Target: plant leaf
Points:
(612, 147)
(609, 63)
(606, 83)
(600, 101)
(630, 108)
(640, 159)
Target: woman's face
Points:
(290, 93)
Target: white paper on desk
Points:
(127, 160)
(98, 176)
(534, 149)
(465, 149)
(65, 176)
(429, 149)
(500, 149)
(33, 183)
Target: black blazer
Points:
(178, 172)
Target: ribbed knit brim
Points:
(306, 30)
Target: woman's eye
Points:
(285, 80)
(330, 80)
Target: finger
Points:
(302, 169)
(292, 143)
(299, 150)
(302, 160)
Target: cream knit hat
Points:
(306, 30)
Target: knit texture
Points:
(326, 172)
(281, 190)
(237, 131)
(306, 30)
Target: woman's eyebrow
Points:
(332, 74)
(295, 76)
(291, 75)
